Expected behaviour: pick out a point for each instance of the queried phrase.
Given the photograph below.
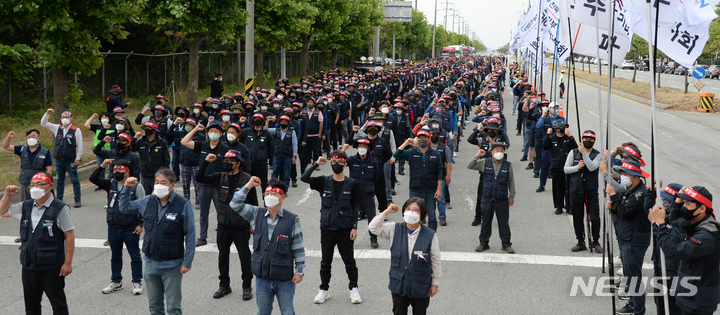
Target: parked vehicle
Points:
(712, 72)
(627, 64)
(642, 65)
(585, 60)
(680, 70)
(670, 68)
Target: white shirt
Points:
(54, 129)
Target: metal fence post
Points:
(127, 88)
(44, 87)
(147, 76)
(10, 92)
(181, 62)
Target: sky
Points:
(491, 20)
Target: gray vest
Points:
(29, 169)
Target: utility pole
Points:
(250, 46)
(434, 27)
(446, 9)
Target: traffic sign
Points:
(699, 73)
(699, 85)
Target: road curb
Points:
(84, 172)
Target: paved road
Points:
(537, 280)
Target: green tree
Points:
(357, 29)
(331, 14)
(199, 20)
(504, 49)
(415, 33)
(67, 35)
(18, 61)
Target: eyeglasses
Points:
(43, 185)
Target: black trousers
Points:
(312, 149)
(340, 238)
(478, 200)
(226, 236)
(402, 302)
(501, 209)
(35, 282)
(559, 189)
(260, 170)
(576, 206)
(380, 192)
(538, 157)
(368, 206)
(520, 119)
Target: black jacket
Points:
(226, 186)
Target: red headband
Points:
(42, 178)
(589, 135)
(337, 158)
(121, 167)
(670, 190)
(274, 189)
(635, 154)
(631, 167)
(692, 193)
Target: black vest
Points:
(65, 146)
(583, 181)
(336, 211)
(283, 145)
(495, 186)
(29, 169)
(378, 150)
(220, 149)
(558, 155)
(43, 248)
(258, 146)
(226, 216)
(273, 260)
(364, 171)
(164, 238)
(411, 277)
(441, 147)
(423, 175)
(313, 123)
(151, 155)
(115, 218)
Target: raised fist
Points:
(321, 160)
(12, 190)
(50, 111)
(392, 208)
(211, 157)
(107, 139)
(11, 134)
(131, 182)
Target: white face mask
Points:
(161, 190)
(65, 121)
(263, 107)
(264, 95)
(362, 151)
(399, 111)
(411, 217)
(280, 97)
(276, 106)
(385, 110)
(372, 85)
(32, 142)
(625, 180)
(231, 137)
(189, 128)
(271, 201)
(36, 193)
(120, 127)
(330, 100)
(214, 106)
(196, 111)
(220, 79)
(436, 126)
(104, 121)
(498, 156)
(226, 118)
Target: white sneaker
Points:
(321, 296)
(112, 287)
(619, 272)
(617, 261)
(137, 288)
(355, 296)
(454, 154)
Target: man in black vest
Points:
(232, 228)
(159, 118)
(122, 228)
(208, 192)
(216, 86)
(315, 122)
(285, 145)
(67, 151)
(259, 142)
(365, 170)
(153, 152)
(426, 171)
(121, 150)
(33, 159)
(46, 226)
(483, 136)
(559, 142)
(447, 159)
(169, 241)
(498, 194)
(581, 167)
(272, 222)
(341, 198)
(113, 99)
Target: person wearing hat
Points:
(581, 168)
(238, 112)
(562, 83)
(162, 100)
(447, 160)
(188, 159)
(315, 122)
(259, 143)
(383, 130)
(34, 158)
(216, 86)
(113, 99)
(46, 256)
(104, 128)
(123, 229)
(426, 171)
(559, 142)
(231, 227)
(232, 140)
(160, 118)
(498, 194)
(197, 114)
(627, 151)
(632, 229)
(212, 106)
(402, 129)
(542, 156)
(67, 151)
(532, 113)
(365, 170)
(153, 153)
(341, 199)
(692, 242)
(208, 192)
(273, 280)
(483, 136)
(180, 112)
(119, 150)
(285, 148)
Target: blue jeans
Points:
(281, 166)
(429, 198)
(529, 139)
(632, 261)
(515, 102)
(164, 284)
(267, 290)
(99, 161)
(441, 203)
(62, 166)
(117, 237)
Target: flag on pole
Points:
(586, 16)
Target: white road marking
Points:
(572, 261)
(470, 202)
(305, 196)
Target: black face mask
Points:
(492, 133)
(435, 139)
(118, 176)
(588, 144)
(149, 132)
(337, 168)
(121, 146)
(159, 102)
(687, 214)
(228, 167)
(372, 131)
(181, 115)
(561, 130)
(257, 123)
(248, 110)
(283, 126)
(158, 114)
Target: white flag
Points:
(669, 11)
(698, 12)
(681, 42)
(585, 42)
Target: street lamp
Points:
(447, 3)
